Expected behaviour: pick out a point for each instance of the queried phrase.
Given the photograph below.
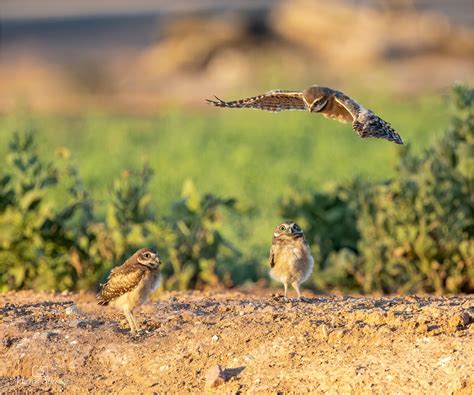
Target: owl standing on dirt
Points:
(290, 258)
(129, 285)
(326, 101)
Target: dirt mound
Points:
(237, 341)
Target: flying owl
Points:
(329, 102)
(291, 261)
(129, 285)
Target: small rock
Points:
(8, 341)
(215, 338)
(81, 324)
(215, 376)
(324, 331)
(444, 360)
(164, 367)
(459, 320)
(72, 310)
(268, 310)
(248, 308)
(52, 335)
(187, 316)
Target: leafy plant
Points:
(412, 233)
(50, 237)
(194, 254)
(417, 231)
(38, 234)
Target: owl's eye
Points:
(282, 228)
(147, 255)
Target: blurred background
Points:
(107, 144)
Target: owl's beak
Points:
(157, 260)
(294, 230)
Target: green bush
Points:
(51, 238)
(195, 222)
(38, 233)
(410, 234)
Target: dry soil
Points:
(238, 341)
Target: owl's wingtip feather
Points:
(217, 103)
(397, 139)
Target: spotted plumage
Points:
(329, 102)
(291, 261)
(129, 285)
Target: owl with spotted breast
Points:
(129, 285)
(326, 101)
(291, 261)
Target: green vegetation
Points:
(49, 244)
(410, 234)
(62, 237)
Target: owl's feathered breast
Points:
(290, 260)
(287, 250)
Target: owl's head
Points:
(147, 257)
(287, 230)
(316, 97)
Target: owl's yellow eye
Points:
(282, 228)
(146, 255)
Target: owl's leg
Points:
(130, 320)
(135, 323)
(286, 290)
(296, 286)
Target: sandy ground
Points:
(238, 342)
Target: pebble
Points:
(215, 376)
(268, 310)
(187, 315)
(324, 331)
(72, 310)
(215, 338)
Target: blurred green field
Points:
(253, 156)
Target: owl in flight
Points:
(329, 102)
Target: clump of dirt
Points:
(231, 341)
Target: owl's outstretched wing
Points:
(364, 122)
(121, 279)
(277, 100)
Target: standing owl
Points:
(291, 261)
(129, 285)
(326, 101)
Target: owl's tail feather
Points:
(101, 300)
